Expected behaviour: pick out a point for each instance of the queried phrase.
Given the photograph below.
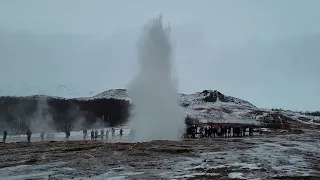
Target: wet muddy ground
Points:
(272, 156)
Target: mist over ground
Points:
(44, 113)
(42, 118)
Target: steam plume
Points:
(42, 119)
(157, 114)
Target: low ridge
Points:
(211, 106)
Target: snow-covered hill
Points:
(213, 106)
(112, 93)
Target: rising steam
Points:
(157, 114)
(42, 118)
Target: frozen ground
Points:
(272, 156)
(75, 136)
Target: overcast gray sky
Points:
(264, 51)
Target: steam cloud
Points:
(157, 114)
(42, 119)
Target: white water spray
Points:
(157, 114)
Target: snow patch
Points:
(236, 175)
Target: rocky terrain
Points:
(213, 106)
(277, 155)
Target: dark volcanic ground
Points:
(272, 156)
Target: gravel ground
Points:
(286, 155)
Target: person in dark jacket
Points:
(67, 134)
(92, 135)
(250, 130)
(29, 133)
(5, 134)
(42, 135)
(84, 134)
(112, 132)
(121, 133)
(102, 134)
(96, 134)
(107, 134)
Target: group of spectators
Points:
(219, 131)
(94, 134)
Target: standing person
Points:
(214, 131)
(229, 131)
(244, 130)
(112, 132)
(194, 131)
(92, 135)
(210, 131)
(250, 130)
(96, 133)
(5, 134)
(102, 134)
(121, 133)
(234, 130)
(217, 127)
(201, 131)
(225, 131)
(85, 134)
(29, 133)
(107, 134)
(42, 135)
(132, 134)
(67, 134)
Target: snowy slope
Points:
(112, 93)
(213, 106)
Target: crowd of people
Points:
(191, 131)
(94, 134)
(219, 131)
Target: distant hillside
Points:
(112, 108)
(213, 106)
(45, 112)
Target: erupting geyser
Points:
(157, 114)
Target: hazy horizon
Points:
(264, 52)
